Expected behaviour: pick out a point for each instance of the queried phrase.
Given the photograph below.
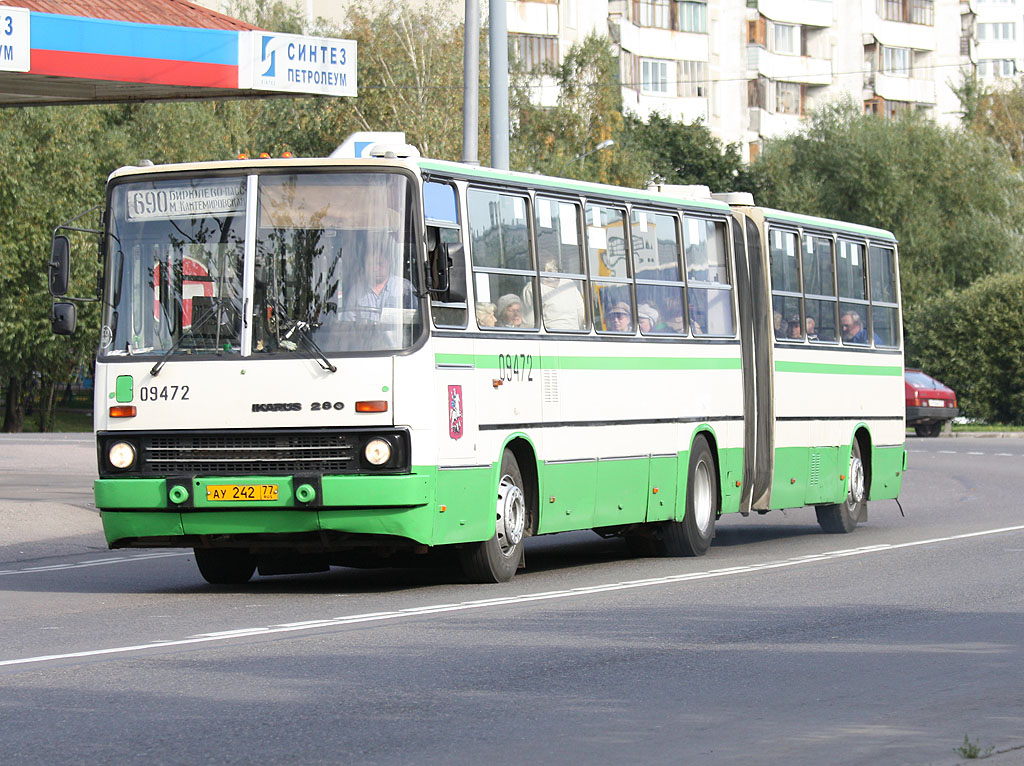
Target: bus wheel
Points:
(692, 536)
(225, 566)
(839, 518)
(497, 559)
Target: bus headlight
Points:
(121, 455)
(377, 451)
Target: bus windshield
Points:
(332, 266)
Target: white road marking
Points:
(96, 562)
(291, 627)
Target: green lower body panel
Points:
(887, 466)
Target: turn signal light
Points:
(375, 405)
(123, 411)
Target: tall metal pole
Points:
(499, 85)
(470, 85)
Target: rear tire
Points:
(840, 518)
(693, 535)
(928, 429)
(497, 559)
(225, 566)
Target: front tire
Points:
(225, 566)
(840, 518)
(497, 559)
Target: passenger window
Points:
(819, 286)
(609, 270)
(885, 319)
(659, 286)
(709, 293)
(503, 268)
(560, 255)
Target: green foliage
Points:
(685, 154)
(952, 198)
(969, 750)
(971, 340)
(589, 111)
(996, 113)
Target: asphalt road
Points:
(782, 646)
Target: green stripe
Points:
(814, 221)
(490, 362)
(581, 187)
(837, 369)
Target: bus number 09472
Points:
(515, 367)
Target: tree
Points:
(971, 339)
(952, 198)
(47, 174)
(685, 154)
(588, 112)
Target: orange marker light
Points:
(264, 155)
(287, 155)
(123, 411)
(243, 156)
(375, 405)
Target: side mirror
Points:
(439, 267)
(64, 318)
(60, 266)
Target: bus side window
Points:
(709, 290)
(440, 208)
(885, 310)
(502, 256)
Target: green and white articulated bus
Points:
(316, 362)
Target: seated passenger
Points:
(485, 314)
(620, 318)
(509, 311)
(795, 328)
(646, 318)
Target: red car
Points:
(929, 403)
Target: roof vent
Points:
(735, 198)
(686, 191)
(393, 151)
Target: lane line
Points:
(95, 562)
(487, 603)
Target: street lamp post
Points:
(606, 144)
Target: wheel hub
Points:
(856, 480)
(511, 521)
(703, 499)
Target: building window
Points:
(789, 98)
(536, 50)
(653, 76)
(995, 68)
(693, 79)
(1006, 30)
(652, 13)
(912, 11)
(786, 38)
(893, 109)
(693, 17)
(896, 61)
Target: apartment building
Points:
(753, 69)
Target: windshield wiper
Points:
(307, 337)
(214, 308)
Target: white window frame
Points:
(896, 61)
(786, 39)
(654, 76)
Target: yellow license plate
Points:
(240, 492)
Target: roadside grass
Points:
(65, 421)
(985, 427)
(970, 750)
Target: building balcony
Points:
(664, 43)
(532, 18)
(893, 88)
(899, 34)
(812, 13)
(772, 125)
(775, 66)
(679, 109)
